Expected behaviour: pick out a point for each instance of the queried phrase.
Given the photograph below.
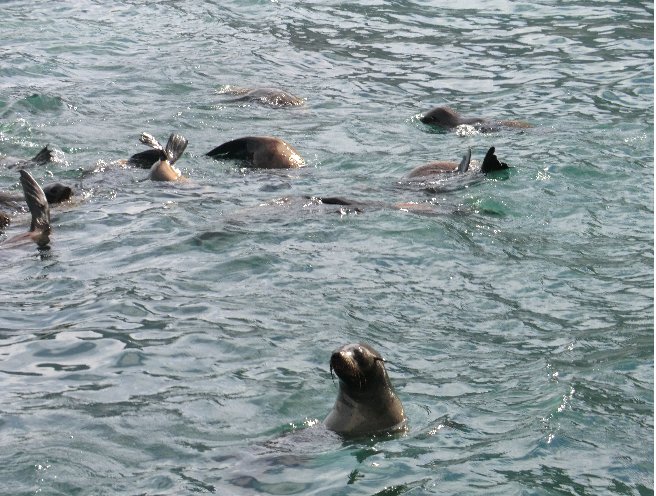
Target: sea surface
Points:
(175, 338)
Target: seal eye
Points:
(359, 355)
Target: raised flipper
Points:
(175, 147)
(464, 164)
(151, 141)
(45, 155)
(236, 149)
(38, 205)
(491, 163)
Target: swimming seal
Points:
(260, 152)
(490, 164)
(162, 168)
(57, 193)
(45, 155)
(366, 402)
(447, 118)
(273, 97)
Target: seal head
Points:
(447, 118)
(366, 402)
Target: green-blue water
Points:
(174, 333)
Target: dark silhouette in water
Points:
(447, 118)
(45, 155)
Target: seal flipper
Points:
(151, 141)
(38, 205)
(235, 149)
(145, 160)
(466, 159)
(175, 147)
(45, 155)
(491, 163)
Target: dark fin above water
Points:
(491, 163)
(175, 147)
(38, 205)
(145, 160)
(235, 149)
(464, 164)
(45, 155)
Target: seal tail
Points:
(235, 149)
(491, 162)
(466, 159)
(46, 154)
(175, 147)
(38, 205)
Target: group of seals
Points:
(366, 402)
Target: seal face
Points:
(366, 402)
(260, 152)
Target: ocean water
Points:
(175, 338)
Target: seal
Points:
(447, 118)
(366, 402)
(260, 152)
(272, 97)
(490, 164)
(57, 193)
(45, 155)
(162, 169)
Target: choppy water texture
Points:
(174, 335)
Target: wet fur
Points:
(262, 152)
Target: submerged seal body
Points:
(447, 118)
(160, 159)
(366, 402)
(273, 97)
(490, 164)
(261, 152)
(45, 155)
